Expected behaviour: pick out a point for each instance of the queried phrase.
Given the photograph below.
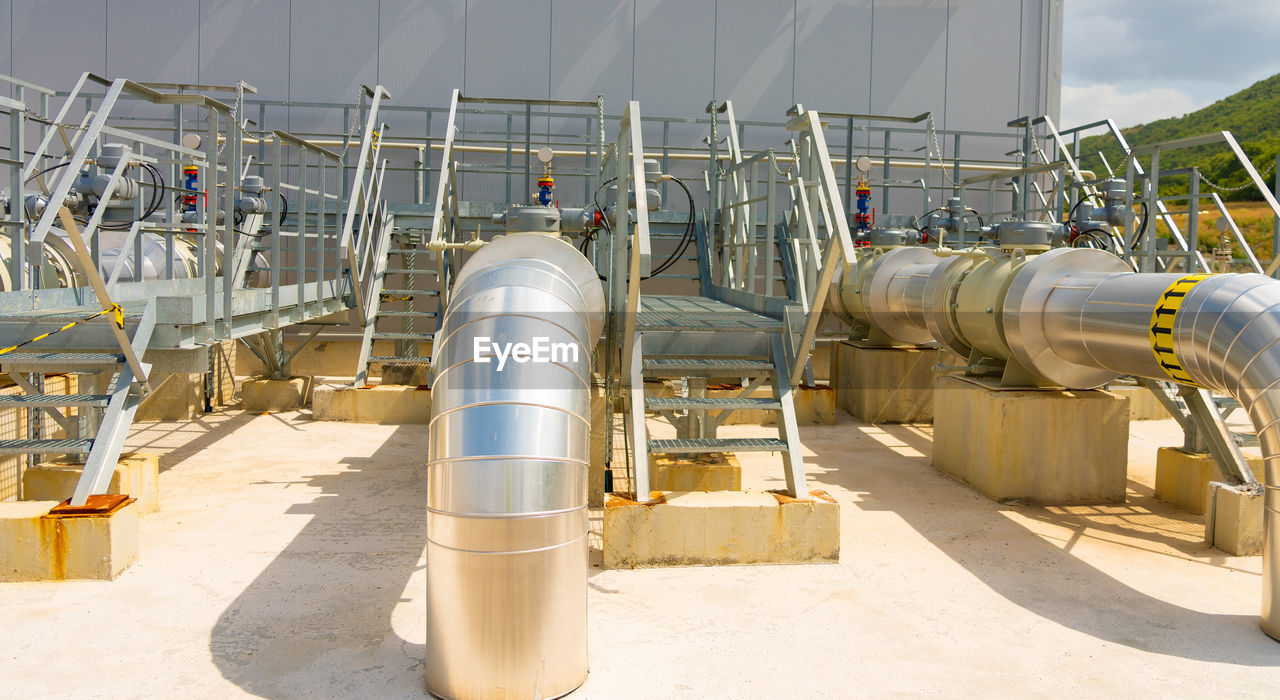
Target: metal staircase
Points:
(100, 422)
(402, 309)
(694, 340)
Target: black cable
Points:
(47, 170)
(285, 212)
(1103, 243)
(975, 213)
(681, 247)
(1143, 228)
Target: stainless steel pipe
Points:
(507, 473)
(1081, 317)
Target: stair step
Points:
(404, 251)
(407, 360)
(48, 447)
(53, 400)
(405, 271)
(59, 360)
(683, 403)
(412, 292)
(388, 335)
(705, 367)
(415, 314)
(694, 445)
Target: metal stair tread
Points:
(406, 312)
(54, 400)
(59, 446)
(405, 360)
(61, 359)
(692, 445)
(398, 335)
(412, 292)
(406, 271)
(697, 366)
(715, 403)
(684, 321)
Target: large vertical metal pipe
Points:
(507, 473)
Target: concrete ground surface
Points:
(287, 561)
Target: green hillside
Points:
(1252, 115)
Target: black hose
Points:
(47, 170)
(1092, 233)
(681, 247)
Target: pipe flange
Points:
(1024, 308)
(876, 294)
(939, 297)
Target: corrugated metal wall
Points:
(976, 63)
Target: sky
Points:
(1136, 61)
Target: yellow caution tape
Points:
(1162, 320)
(117, 315)
(392, 297)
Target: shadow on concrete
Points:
(175, 441)
(318, 621)
(1038, 574)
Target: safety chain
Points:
(353, 126)
(234, 116)
(937, 152)
(1246, 185)
(34, 115)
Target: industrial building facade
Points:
(975, 63)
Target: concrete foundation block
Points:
(720, 528)
(137, 475)
(1047, 447)
(179, 396)
(886, 385)
(38, 546)
(290, 394)
(383, 403)
(1237, 521)
(1143, 405)
(406, 375)
(1182, 478)
(709, 472)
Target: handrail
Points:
(630, 158)
(839, 246)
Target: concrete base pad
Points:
(407, 375)
(720, 528)
(886, 385)
(137, 475)
(1044, 447)
(708, 472)
(36, 545)
(382, 403)
(1143, 405)
(179, 396)
(1237, 521)
(259, 395)
(1182, 478)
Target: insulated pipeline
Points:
(507, 473)
(1218, 332)
(1080, 317)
